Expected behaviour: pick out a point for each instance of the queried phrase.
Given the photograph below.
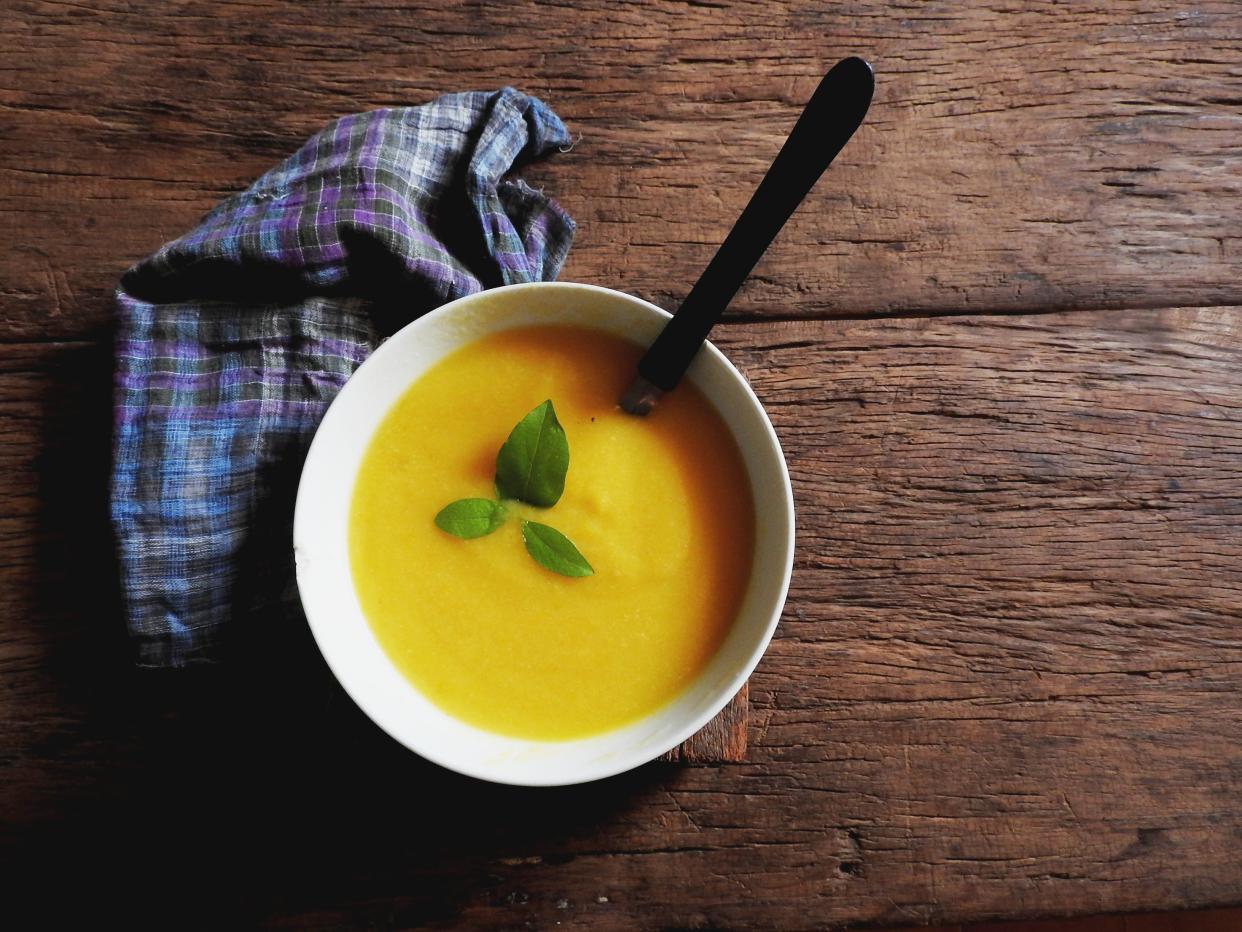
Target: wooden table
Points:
(1001, 342)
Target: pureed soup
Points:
(660, 506)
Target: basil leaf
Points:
(471, 517)
(531, 465)
(553, 550)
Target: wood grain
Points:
(1018, 156)
(1008, 682)
(722, 740)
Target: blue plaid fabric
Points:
(233, 339)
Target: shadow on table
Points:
(237, 791)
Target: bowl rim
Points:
(635, 756)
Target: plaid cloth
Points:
(233, 339)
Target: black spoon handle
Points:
(834, 112)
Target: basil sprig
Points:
(531, 465)
(531, 468)
(553, 550)
(471, 517)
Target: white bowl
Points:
(320, 543)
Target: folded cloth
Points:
(233, 339)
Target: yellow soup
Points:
(660, 506)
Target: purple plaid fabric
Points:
(233, 339)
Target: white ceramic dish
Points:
(321, 551)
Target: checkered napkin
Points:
(233, 339)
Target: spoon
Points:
(831, 116)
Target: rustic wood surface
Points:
(1018, 156)
(1199, 920)
(1001, 344)
(722, 740)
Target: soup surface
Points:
(660, 506)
